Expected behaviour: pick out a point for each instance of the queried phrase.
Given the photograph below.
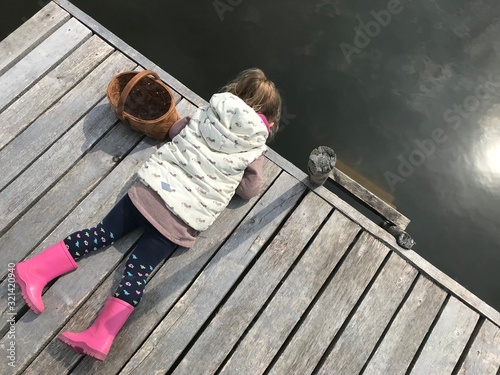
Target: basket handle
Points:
(130, 86)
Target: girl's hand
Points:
(183, 121)
(178, 126)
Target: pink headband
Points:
(265, 121)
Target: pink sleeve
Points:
(178, 126)
(251, 182)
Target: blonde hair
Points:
(253, 87)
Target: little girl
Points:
(180, 191)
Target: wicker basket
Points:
(144, 102)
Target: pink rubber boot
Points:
(33, 274)
(96, 340)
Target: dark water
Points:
(407, 94)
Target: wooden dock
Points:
(294, 281)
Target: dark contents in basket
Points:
(147, 100)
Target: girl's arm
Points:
(251, 183)
(178, 126)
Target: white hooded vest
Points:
(197, 173)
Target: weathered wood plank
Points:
(231, 320)
(56, 160)
(182, 323)
(447, 340)
(50, 88)
(30, 34)
(357, 341)
(60, 157)
(35, 64)
(369, 199)
(163, 290)
(68, 293)
(408, 330)
(45, 131)
(483, 357)
(364, 180)
(312, 338)
(19, 240)
(423, 265)
(119, 141)
(259, 346)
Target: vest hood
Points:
(229, 125)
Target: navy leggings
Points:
(151, 248)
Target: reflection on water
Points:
(486, 151)
(407, 94)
